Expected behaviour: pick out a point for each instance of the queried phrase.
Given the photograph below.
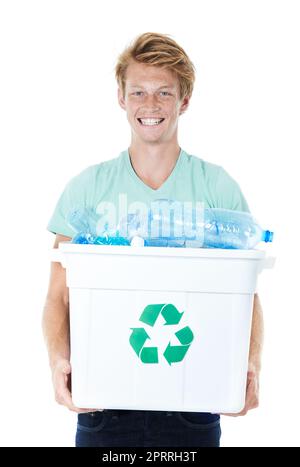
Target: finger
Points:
(90, 410)
(67, 400)
(65, 396)
(252, 395)
(251, 401)
(62, 392)
(240, 414)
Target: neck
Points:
(153, 164)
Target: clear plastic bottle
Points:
(84, 223)
(224, 228)
(216, 228)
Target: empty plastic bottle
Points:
(224, 228)
(84, 222)
(214, 228)
(181, 228)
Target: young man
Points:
(155, 78)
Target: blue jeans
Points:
(135, 428)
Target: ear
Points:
(121, 99)
(184, 105)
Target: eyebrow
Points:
(161, 87)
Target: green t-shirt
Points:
(115, 183)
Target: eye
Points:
(165, 93)
(137, 93)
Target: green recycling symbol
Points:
(173, 353)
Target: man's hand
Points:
(61, 377)
(254, 362)
(252, 394)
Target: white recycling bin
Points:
(160, 328)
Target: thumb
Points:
(64, 367)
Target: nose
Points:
(152, 102)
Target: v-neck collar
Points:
(143, 185)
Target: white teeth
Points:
(150, 121)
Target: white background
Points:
(59, 114)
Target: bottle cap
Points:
(268, 236)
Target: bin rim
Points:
(69, 248)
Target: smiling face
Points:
(152, 102)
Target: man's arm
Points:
(255, 354)
(257, 336)
(57, 332)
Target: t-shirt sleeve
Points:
(57, 223)
(228, 193)
(73, 197)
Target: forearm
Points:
(56, 330)
(257, 335)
